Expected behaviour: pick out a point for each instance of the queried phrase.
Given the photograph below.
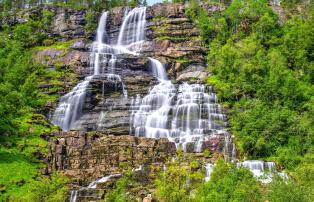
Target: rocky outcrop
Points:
(175, 39)
(89, 156)
(64, 23)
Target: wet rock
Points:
(133, 62)
(190, 147)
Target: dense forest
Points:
(261, 64)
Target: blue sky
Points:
(150, 2)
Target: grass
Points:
(17, 171)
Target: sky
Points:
(151, 2)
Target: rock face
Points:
(89, 156)
(172, 38)
(64, 23)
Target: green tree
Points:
(179, 180)
(228, 183)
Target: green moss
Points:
(183, 60)
(57, 45)
(159, 18)
(173, 38)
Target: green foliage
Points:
(128, 186)
(229, 183)
(119, 192)
(183, 181)
(286, 190)
(52, 189)
(16, 170)
(263, 72)
(20, 125)
(55, 45)
(179, 180)
(90, 24)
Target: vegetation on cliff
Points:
(21, 125)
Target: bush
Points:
(229, 183)
(52, 189)
(179, 181)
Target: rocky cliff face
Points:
(89, 156)
(171, 37)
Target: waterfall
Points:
(70, 106)
(73, 196)
(158, 69)
(93, 185)
(133, 27)
(260, 169)
(150, 115)
(101, 30)
(209, 169)
(187, 116)
(196, 115)
(103, 61)
(184, 116)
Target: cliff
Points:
(101, 138)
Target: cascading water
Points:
(133, 27)
(73, 196)
(209, 169)
(261, 170)
(103, 62)
(93, 185)
(71, 104)
(185, 116)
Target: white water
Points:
(101, 30)
(93, 185)
(103, 62)
(185, 115)
(261, 170)
(133, 27)
(209, 169)
(70, 106)
(73, 196)
(158, 69)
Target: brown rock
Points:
(83, 159)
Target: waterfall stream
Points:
(186, 114)
(103, 60)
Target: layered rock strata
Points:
(89, 156)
